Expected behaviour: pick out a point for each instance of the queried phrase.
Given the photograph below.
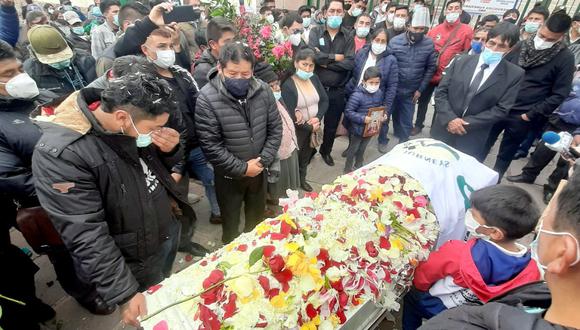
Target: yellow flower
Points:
(286, 218)
(397, 243)
(410, 218)
(380, 227)
(262, 228)
(279, 301)
(335, 320)
(230, 247)
(312, 324)
(291, 246)
(301, 265)
(377, 194)
(245, 288)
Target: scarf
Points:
(530, 57)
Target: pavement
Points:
(71, 316)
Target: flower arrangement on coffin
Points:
(359, 239)
(261, 38)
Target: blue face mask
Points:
(356, 12)
(476, 46)
(143, 140)
(362, 32)
(277, 95)
(306, 22)
(334, 22)
(490, 57)
(116, 20)
(303, 75)
(78, 30)
(60, 65)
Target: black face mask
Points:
(347, 7)
(237, 87)
(415, 36)
(511, 20)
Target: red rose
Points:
(211, 295)
(311, 311)
(384, 243)
(268, 250)
(371, 250)
(208, 318)
(276, 263)
(230, 306)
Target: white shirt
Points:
(306, 35)
(486, 73)
(371, 61)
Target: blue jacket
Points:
(358, 106)
(387, 63)
(9, 25)
(417, 63)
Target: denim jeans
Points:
(202, 170)
(403, 111)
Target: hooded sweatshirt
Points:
(473, 271)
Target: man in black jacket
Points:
(476, 92)
(536, 306)
(102, 170)
(239, 129)
(549, 67)
(18, 97)
(219, 33)
(334, 61)
(55, 66)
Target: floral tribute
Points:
(263, 39)
(357, 240)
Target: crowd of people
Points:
(106, 113)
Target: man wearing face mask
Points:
(477, 91)
(19, 95)
(379, 13)
(77, 39)
(389, 17)
(102, 170)
(361, 31)
(247, 139)
(549, 67)
(104, 35)
(535, 19)
(542, 305)
(306, 13)
(267, 15)
(334, 61)
(416, 60)
(358, 7)
(400, 20)
(55, 66)
(128, 15)
(292, 30)
(450, 38)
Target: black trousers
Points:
(356, 152)
(515, 132)
(336, 104)
(423, 104)
(542, 156)
(304, 151)
(231, 194)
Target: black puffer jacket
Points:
(503, 313)
(203, 66)
(18, 136)
(93, 187)
(232, 131)
(57, 81)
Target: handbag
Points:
(317, 134)
(446, 44)
(37, 229)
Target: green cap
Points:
(48, 45)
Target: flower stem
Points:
(188, 298)
(13, 300)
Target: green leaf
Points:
(326, 282)
(223, 266)
(256, 255)
(0, 313)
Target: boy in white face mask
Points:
(489, 264)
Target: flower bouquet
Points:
(262, 39)
(358, 240)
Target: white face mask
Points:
(471, 225)
(270, 19)
(452, 17)
(399, 23)
(295, 39)
(384, 7)
(390, 17)
(372, 88)
(535, 252)
(377, 48)
(165, 58)
(541, 44)
(21, 87)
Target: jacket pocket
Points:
(128, 245)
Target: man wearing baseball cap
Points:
(55, 66)
(77, 38)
